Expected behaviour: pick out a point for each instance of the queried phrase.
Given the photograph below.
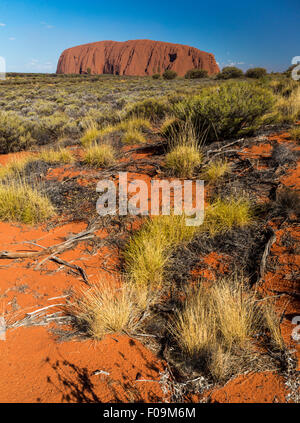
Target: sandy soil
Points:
(36, 367)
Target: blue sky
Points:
(242, 33)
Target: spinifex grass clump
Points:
(21, 203)
(16, 165)
(99, 155)
(104, 309)
(183, 160)
(149, 249)
(223, 215)
(216, 170)
(133, 136)
(63, 155)
(217, 327)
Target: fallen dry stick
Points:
(52, 252)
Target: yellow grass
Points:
(133, 136)
(21, 203)
(183, 159)
(217, 325)
(216, 170)
(148, 251)
(99, 155)
(90, 136)
(104, 309)
(288, 108)
(223, 215)
(63, 155)
(16, 165)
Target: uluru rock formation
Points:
(135, 57)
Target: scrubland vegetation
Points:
(213, 329)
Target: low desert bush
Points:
(196, 74)
(15, 134)
(21, 203)
(99, 155)
(230, 72)
(151, 108)
(227, 111)
(256, 73)
(183, 160)
(169, 74)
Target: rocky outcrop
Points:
(135, 57)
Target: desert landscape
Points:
(135, 308)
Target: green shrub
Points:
(196, 73)
(150, 108)
(223, 112)
(156, 76)
(14, 133)
(256, 73)
(230, 72)
(169, 74)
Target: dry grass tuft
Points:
(104, 309)
(218, 326)
(99, 155)
(21, 203)
(148, 250)
(16, 165)
(216, 170)
(223, 215)
(63, 155)
(90, 136)
(133, 136)
(183, 160)
(295, 133)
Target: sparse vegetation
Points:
(62, 155)
(104, 309)
(231, 110)
(133, 136)
(216, 326)
(183, 160)
(216, 170)
(21, 203)
(295, 133)
(99, 155)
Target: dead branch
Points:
(266, 253)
